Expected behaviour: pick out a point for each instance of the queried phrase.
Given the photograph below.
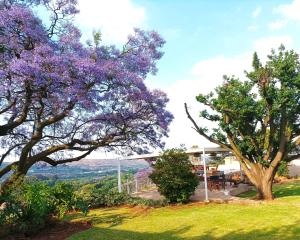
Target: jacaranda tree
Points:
(258, 119)
(61, 99)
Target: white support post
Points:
(119, 176)
(127, 185)
(204, 174)
(136, 184)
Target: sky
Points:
(204, 41)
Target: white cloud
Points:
(213, 69)
(256, 12)
(181, 132)
(114, 18)
(207, 75)
(289, 11)
(264, 45)
(278, 24)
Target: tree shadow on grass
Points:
(110, 216)
(115, 234)
(289, 232)
(110, 219)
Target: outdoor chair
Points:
(216, 182)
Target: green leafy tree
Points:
(258, 119)
(174, 177)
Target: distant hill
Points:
(108, 162)
(84, 169)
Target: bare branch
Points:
(202, 133)
(55, 163)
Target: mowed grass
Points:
(279, 219)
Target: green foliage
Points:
(103, 198)
(34, 200)
(29, 207)
(136, 201)
(258, 117)
(283, 170)
(173, 176)
(255, 112)
(97, 38)
(104, 193)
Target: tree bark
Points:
(13, 181)
(264, 190)
(263, 181)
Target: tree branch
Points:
(202, 133)
(4, 129)
(55, 163)
(7, 169)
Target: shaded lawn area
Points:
(275, 220)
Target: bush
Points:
(65, 199)
(102, 198)
(174, 177)
(104, 193)
(28, 208)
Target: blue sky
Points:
(204, 41)
(199, 30)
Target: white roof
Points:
(191, 150)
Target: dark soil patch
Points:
(55, 231)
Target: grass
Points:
(267, 221)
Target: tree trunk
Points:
(262, 178)
(12, 182)
(264, 189)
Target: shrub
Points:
(103, 193)
(102, 198)
(28, 208)
(174, 177)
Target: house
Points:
(229, 163)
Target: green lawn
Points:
(276, 220)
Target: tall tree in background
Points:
(61, 99)
(258, 119)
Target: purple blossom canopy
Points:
(59, 95)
